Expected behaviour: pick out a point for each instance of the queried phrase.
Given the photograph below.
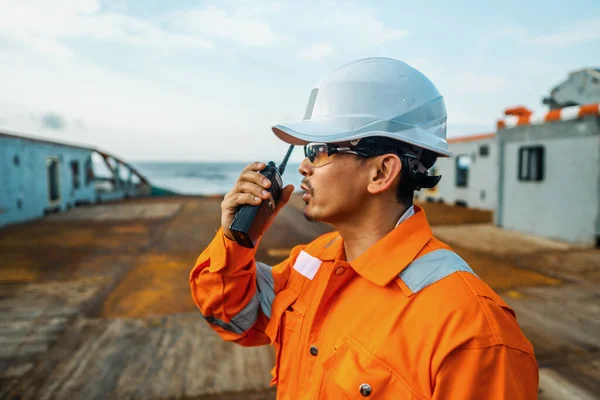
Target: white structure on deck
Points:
(470, 176)
(549, 175)
(539, 173)
(39, 176)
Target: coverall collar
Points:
(384, 261)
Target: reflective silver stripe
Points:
(431, 268)
(240, 322)
(263, 298)
(265, 287)
(248, 316)
(224, 325)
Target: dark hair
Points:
(408, 183)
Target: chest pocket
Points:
(352, 372)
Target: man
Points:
(379, 308)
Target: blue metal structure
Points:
(39, 176)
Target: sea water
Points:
(205, 178)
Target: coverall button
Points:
(365, 389)
(314, 350)
(339, 271)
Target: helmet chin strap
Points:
(418, 172)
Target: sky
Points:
(206, 80)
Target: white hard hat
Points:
(373, 97)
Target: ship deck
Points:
(95, 302)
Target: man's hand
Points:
(250, 188)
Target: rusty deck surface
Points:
(95, 303)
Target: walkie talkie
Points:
(249, 220)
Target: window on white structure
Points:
(463, 164)
(52, 168)
(484, 150)
(531, 163)
(75, 174)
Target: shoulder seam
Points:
(484, 311)
(494, 345)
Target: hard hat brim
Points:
(301, 133)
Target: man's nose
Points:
(305, 167)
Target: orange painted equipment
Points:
(407, 319)
(471, 138)
(518, 116)
(519, 111)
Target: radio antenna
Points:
(285, 160)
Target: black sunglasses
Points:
(319, 154)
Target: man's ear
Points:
(384, 173)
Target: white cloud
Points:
(471, 82)
(141, 33)
(254, 9)
(570, 35)
(44, 26)
(221, 23)
(450, 79)
(358, 26)
(316, 52)
(348, 26)
(583, 31)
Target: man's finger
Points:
(255, 166)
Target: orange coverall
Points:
(408, 319)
